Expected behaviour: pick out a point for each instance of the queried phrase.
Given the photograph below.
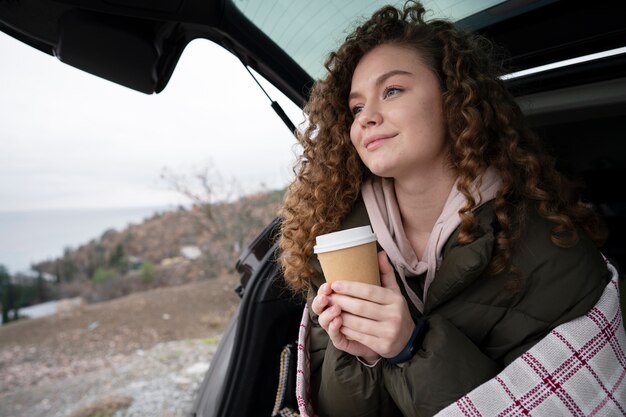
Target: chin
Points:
(381, 171)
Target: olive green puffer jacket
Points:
(477, 323)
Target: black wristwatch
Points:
(414, 344)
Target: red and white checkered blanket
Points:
(578, 369)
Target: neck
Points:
(421, 200)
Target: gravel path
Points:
(144, 354)
(158, 382)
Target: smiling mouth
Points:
(376, 141)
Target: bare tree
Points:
(231, 217)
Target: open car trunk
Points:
(244, 373)
(579, 109)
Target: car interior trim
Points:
(565, 63)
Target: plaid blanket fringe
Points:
(578, 369)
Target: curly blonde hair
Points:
(485, 127)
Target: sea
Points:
(29, 237)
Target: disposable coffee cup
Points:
(349, 255)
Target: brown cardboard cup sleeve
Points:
(349, 255)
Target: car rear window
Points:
(308, 30)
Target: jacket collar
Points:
(462, 265)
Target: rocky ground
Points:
(140, 355)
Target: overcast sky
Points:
(71, 140)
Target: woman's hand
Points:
(330, 318)
(366, 320)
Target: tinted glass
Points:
(308, 30)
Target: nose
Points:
(370, 116)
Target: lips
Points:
(372, 142)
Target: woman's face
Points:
(398, 128)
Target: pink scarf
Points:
(382, 207)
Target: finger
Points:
(335, 334)
(360, 324)
(324, 289)
(334, 327)
(387, 276)
(320, 302)
(362, 338)
(369, 292)
(322, 299)
(377, 337)
(328, 316)
(341, 342)
(390, 311)
(359, 307)
(355, 335)
(383, 263)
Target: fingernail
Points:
(337, 286)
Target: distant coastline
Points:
(32, 236)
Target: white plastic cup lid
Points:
(344, 239)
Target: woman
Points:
(485, 246)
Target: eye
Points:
(356, 109)
(391, 91)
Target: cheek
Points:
(430, 123)
(439, 128)
(354, 135)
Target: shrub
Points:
(147, 272)
(102, 275)
(118, 259)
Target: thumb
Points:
(387, 276)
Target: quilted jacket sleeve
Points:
(447, 367)
(340, 384)
(560, 285)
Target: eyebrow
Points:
(381, 79)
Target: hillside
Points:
(157, 297)
(170, 248)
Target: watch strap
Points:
(414, 344)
